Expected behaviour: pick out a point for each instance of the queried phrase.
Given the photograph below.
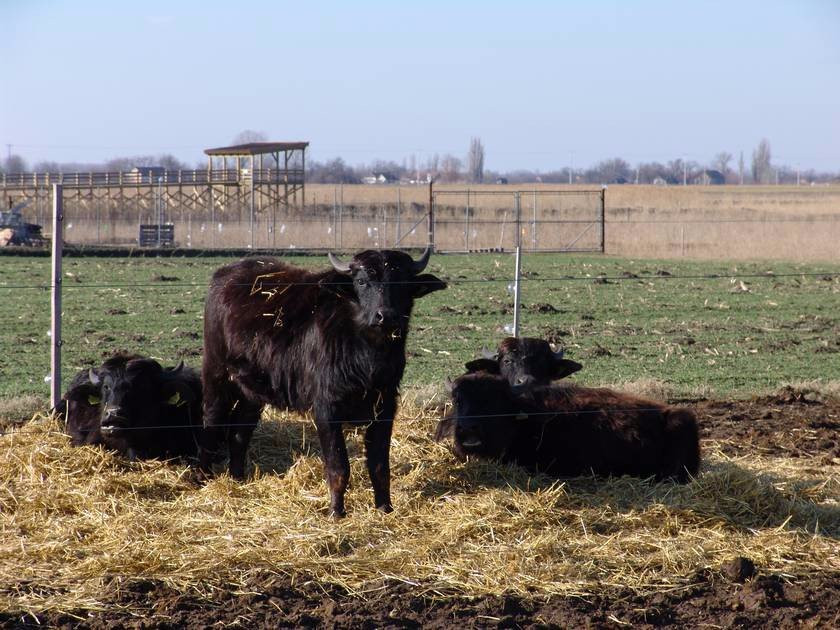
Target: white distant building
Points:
(379, 178)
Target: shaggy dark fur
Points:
(564, 430)
(525, 361)
(134, 406)
(332, 342)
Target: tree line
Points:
(449, 168)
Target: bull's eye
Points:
(361, 282)
(507, 361)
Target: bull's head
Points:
(132, 392)
(484, 416)
(525, 361)
(384, 285)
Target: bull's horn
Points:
(420, 264)
(93, 377)
(337, 264)
(559, 353)
(489, 354)
(178, 367)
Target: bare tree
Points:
(14, 164)
(762, 172)
(248, 136)
(721, 162)
(741, 169)
(450, 168)
(475, 161)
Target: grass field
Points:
(751, 327)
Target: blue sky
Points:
(542, 83)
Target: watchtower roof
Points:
(256, 148)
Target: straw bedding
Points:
(79, 521)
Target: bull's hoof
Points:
(385, 509)
(338, 515)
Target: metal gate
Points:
(479, 220)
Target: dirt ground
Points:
(792, 424)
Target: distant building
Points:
(710, 177)
(501, 180)
(148, 174)
(380, 178)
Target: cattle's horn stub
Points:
(93, 376)
(488, 354)
(559, 353)
(337, 264)
(177, 368)
(420, 264)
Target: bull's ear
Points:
(482, 365)
(426, 283)
(565, 367)
(445, 429)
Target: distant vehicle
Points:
(15, 231)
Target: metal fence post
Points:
(518, 266)
(399, 208)
(335, 216)
(431, 238)
(251, 208)
(467, 224)
(603, 218)
(534, 227)
(55, 308)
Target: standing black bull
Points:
(332, 341)
(565, 430)
(134, 406)
(525, 361)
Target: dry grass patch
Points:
(76, 521)
(19, 410)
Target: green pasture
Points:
(753, 326)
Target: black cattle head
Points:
(133, 392)
(525, 361)
(484, 415)
(384, 285)
(80, 408)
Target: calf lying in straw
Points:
(566, 430)
(525, 361)
(134, 406)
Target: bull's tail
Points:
(682, 445)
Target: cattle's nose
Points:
(385, 317)
(112, 417)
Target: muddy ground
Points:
(792, 424)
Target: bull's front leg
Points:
(336, 463)
(377, 453)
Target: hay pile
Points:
(77, 522)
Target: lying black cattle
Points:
(134, 406)
(332, 342)
(564, 430)
(525, 361)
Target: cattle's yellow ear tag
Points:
(522, 416)
(174, 399)
(93, 399)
